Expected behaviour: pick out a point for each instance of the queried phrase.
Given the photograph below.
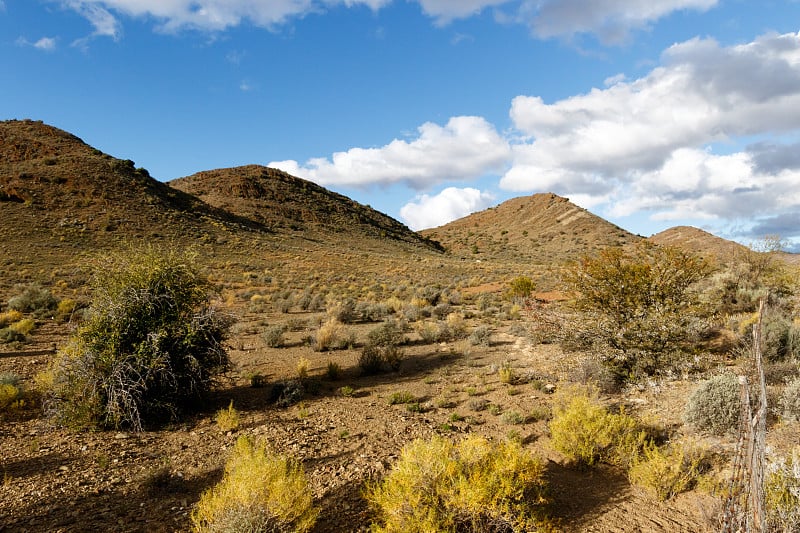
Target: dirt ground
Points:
(59, 480)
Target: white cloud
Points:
(212, 15)
(450, 204)
(610, 20)
(445, 11)
(465, 148)
(45, 43)
(104, 23)
(48, 44)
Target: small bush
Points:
(715, 405)
(273, 336)
(227, 419)
(260, 491)
(33, 299)
(66, 309)
(370, 361)
(390, 333)
(287, 393)
(481, 336)
(8, 336)
(347, 391)
(521, 287)
(669, 471)
(790, 400)
(303, 365)
(329, 336)
(9, 317)
(428, 332)
(401, 398)
(333, 371)
(24, 326)
(585, 432)
(507, 373)
(344, 312)
(782, 493)
(10, 390)
(473, 486)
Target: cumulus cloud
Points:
(104, 23)
(642, 144)
(465, 148)
(610, 20)
(444, 11)
(450, 204)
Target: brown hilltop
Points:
(281, 202)
(698, 241)
(539, 228)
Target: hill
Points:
(540, 228)
(280, 202)
(699, 242)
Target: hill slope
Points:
(281, 202)
(538, 228)
(698, 241)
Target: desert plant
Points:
(585, 432)
(481, 336)
(273, 336)
(150, 347)
(640, 305)
(715, 405)
(782, 493)
(370, 360)
(329, 335)
(65, 309)
(10, 390)
(287, 392)
(401, 397)
(9, 317)
(33, 298)
(671, 470)
(333, 371)
(302, 367)
(390, 333)
(507, 373)
(520, 288)
(227, 419)
(473, 486)
(790, 400)
(24, 326)
(260, 491)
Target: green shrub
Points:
(401, 398)
(260, 491)
(10, 390)
(521, 287)
(150, 347)
(715, 406)
(585, 432)
(9, 317)
(669, 471)
(33, 299)
(24, 326)
(273, 336)
(333, 371)
(790, 400)
(390, 333)
(473, 486)
(640, 305)
(8, 335)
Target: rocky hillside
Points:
(283, 203)
(699, 242)
(539, 228)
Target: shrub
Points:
(10, 390)
(390, 333)
(151, 346)
(8, 335)
(585, 432)
(507, 373)
(790, 400)
(286, 393)
(715, 405)
(428, 332)
(473, 486)
(24, 326)
(370, 360)
(401, 398)
(273, 336)
(344, 312)
(33, 299)
(333, 371)
(66, 309)
(9, 317)
(521, 287)
(260, 491)
(640, 305)
(669, 471)
(782, 493)
(329, 335)
(303, 365)
(227, 419)
(481, 336)
(442, 310)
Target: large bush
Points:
(150, 347)
(639, 304)
(473, 486)
(260, 492)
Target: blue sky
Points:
(650, 113)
